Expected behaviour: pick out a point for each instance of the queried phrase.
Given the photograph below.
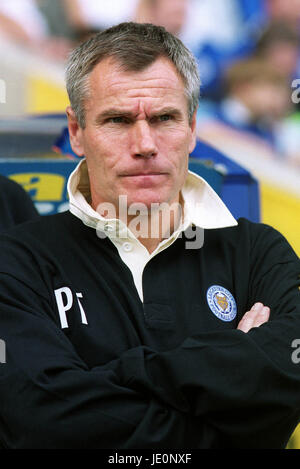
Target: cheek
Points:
(178, 158)
(176, 147)
(177, 136)
(102, 151)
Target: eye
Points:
(165, 117)
(117, 120)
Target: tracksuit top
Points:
(105, 352)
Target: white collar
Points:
(202, 206)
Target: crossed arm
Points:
(214, 390)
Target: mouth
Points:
(144, 174)
(145, 180)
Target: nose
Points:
(142, 140)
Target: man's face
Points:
(137, 137)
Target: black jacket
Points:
(88, 365)
(16, 205)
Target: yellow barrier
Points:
(281, 210)
(45, 96)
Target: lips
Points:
(141, 173)
(145, 174)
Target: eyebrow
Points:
(168, 110)
(114, 112)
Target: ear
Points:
(75, 132)
(193, 126)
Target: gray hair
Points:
(135, 46)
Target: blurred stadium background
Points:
(248, 52)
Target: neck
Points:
(151, 226)
(158, 226)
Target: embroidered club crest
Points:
(221, 303)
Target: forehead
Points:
(109, 82)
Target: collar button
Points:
(127, 247)
(108, 227)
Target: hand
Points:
(258, 315)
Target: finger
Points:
(254, 318)
(247, 320)
(258, 315)
(261, 317)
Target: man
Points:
(15, 204)
(120, 336)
